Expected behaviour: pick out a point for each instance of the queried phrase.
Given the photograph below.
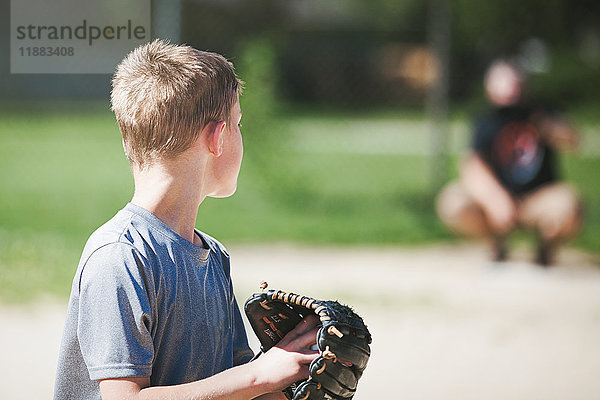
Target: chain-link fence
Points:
(339, 94)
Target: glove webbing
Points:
(309, 303)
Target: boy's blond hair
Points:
(163, 95)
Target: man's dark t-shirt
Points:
(507, 140)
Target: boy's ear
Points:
(215, 137)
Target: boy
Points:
(152, 312)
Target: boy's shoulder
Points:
(107, 244)
(136, 227)
(112, 231)
(134, 236)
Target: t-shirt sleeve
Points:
(242, 353)
(241, 350)
(115, 317)
(483, 135)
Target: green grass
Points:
(326, 178)
(583, 174)
(61, 175)
(346, 199)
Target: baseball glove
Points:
(343, 341)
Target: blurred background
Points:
(355, 114)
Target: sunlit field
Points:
(328, 178)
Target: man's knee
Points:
(555, 211)
(458, 211)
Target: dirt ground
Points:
(446, 322)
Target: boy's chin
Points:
(224, 193)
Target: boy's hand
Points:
(343, 343)
(287, 362)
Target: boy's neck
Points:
(172, 194)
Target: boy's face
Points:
(228, 164)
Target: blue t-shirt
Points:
(147, 302)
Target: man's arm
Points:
(556, 131)
(273, 371)
(485, 189)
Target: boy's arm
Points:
(272, 396)
(273, 371)
(235, 383)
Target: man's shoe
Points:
(544, 255)
(499, 252)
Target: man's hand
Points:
(556, 131)
(501, 214)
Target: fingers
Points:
(307, 324)
(303, 333)
(300, 343)
(307, 339)
(305, 358)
